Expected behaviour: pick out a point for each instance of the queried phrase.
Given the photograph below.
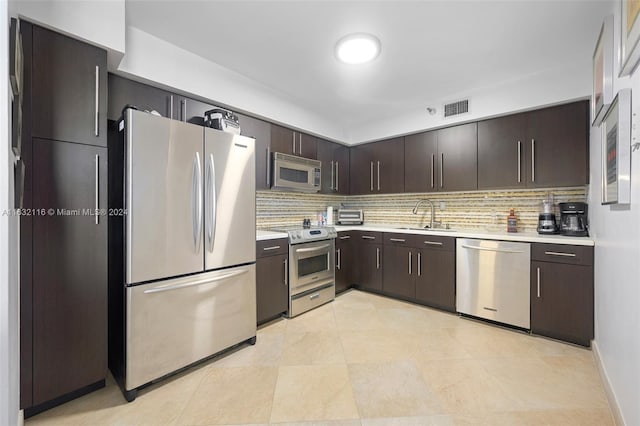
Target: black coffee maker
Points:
(573, 219)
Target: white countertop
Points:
(531, 237)
(269, 235)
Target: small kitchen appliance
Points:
(350, 217)
(573, 219)
(547, 219)
(223, 120)
(293, 173)
(311, 267)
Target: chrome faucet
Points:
(415, 210)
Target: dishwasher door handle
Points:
(491, 249)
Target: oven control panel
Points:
(312, 234)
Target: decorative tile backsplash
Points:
(476, 209)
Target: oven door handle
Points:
(310, 249)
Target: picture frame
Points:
(629, 36)
(602, 94)
(616, 150)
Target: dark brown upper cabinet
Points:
(543, 148)
(501, 152)
(441, 160)
(335, 167)
(557, 146)
(420, 162)
(70, 80)
(290, 142)
(123, 92)
(378, 168)
(261, 132)
(458, 158)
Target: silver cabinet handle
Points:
(372, 176)
(314, 296)
(184, 109)
(519, 161)
(307, 250)
(557, 253)
(533, 160)
(171, 107)
(268, 167)
(491, 249)
(367, 237)
(442, 170)
(410, 256)
(337, 169)
(433, 169)
(338, 253)
(213, 200)
(398, 240)
(419, 264)
(377, 257)
(538, 273)
(345, 237)
(332, 176)
(286, 272)
(378, 176)
(96, 130)
(271, 248)
(299, 143)
(195, 283)
(97, 189)
(293, 142)
(434, 243)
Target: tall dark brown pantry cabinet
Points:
(63, 246)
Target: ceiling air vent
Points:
(456, 108)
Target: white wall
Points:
(189, 73)
(9, 286)
(99, 22)
(558, 84)
(616, 230)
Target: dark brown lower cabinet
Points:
(436, 278)
(272, 279)
(344, 262)
(69, 263)
(366, 248)
(399, 273)
(562, 301)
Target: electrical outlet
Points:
(443, 205)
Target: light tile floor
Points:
(367, 360)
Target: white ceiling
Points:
(430, 49)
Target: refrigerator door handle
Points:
(194, 283)
(213, 199)
(196, 201)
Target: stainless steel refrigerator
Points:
(185, 286)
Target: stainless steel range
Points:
(311, 267)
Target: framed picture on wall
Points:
(602, 72)
(629, 36)
(616, 150)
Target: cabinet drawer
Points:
(272, 247)
(398, 239)
(346, 236)
(562, 253)
(368, 237)
(434, 242)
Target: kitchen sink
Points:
(425, 229)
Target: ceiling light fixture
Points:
(357, 48)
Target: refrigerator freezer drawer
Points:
(173, 323)
(492, 280)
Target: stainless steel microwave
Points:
(291, 173)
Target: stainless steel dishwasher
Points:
(492, 280)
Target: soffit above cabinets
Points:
(432, 51)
